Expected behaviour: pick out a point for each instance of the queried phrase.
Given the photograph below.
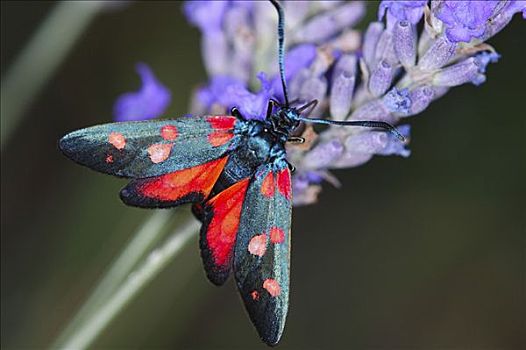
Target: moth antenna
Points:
(362, 123)
(312, 104)
(281, 48)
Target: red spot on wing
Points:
(223, 127)
(222, 122)
(173, 186)
(222, 229)
(117, 140)
(272, 287)
(255, 295)
(169, 132)
(284, 186)
(276, 235)
(258, 245)
(267, 186)
(219, 138)
(159, 152)
(109, 159)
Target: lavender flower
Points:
(396, 72)
(397, 10)
(468, 20)
(149, 102)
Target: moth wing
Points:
(150, 148)
(191, 185)
(221, 217)
(262, 250)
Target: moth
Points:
(235, 173)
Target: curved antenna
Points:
(281, 48)
(364, 123)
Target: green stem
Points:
(39, 59)
(108, 304)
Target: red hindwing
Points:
(218, 234)
(184, 186)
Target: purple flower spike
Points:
(381, 79)
(397, 101)
(373, 110)
(385, 50)
(230, 92)
(503, 16)
(323, 154)
(400, 10)
(322, 27)
(206, 15)
(438, 54)
(405, 43)
(486, 58)
(465, 20)
(304, 192)
(460, 73)
(372, 35)
(393, 146)
(420, 97)
(324, 61)
(361, 147)
(298, 58)
(149, 102)
(344, 78)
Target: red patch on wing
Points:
(222, 229)
(117, 140)
(255, 295)
(223, 127)
(284, 186)
(276, 235)
(272, 287)
(159, 152)
(169, 132)
(173, 186)
(222, 122)
(258, 245)
(219, 138)
(109, 159)
(267, 186)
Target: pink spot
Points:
(117, 140)
(159, 152)
(272, 287)
(109, 159)
(277, 235)
(255, 295)
(267, 186)
(258, 245)
(169, 132)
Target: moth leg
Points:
(296, 140)
(292, 168)
(271, 104)
(236, 113)
(312, 104)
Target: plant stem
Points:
(148, 233)
(39, 59)
(104, 308)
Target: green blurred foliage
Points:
(420, 253)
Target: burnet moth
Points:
(235, 173)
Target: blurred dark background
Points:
(420, 253)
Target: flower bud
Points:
(372, 35)
(438, 54)
(460, 73)
(405, 43)
(381, 79)
(342, 89)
